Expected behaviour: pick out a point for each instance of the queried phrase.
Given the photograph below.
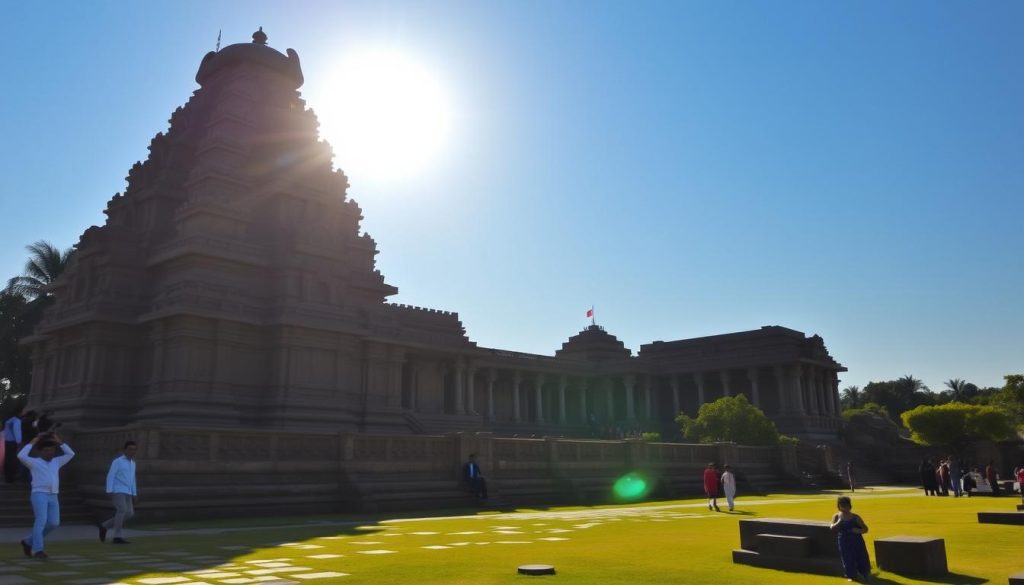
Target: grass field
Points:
(657, 543)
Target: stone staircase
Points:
(16, 511)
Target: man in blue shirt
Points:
(123, 492)
(12, 442)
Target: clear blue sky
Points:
(852, 169)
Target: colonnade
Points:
(786, 389)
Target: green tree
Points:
(45, 263)
(851, 397)
(731, 418)
(1011, 398)
(957, 389)
(957, 425)
(898, 396)
(21, 308)
(15, 365)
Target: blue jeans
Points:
(47, 512)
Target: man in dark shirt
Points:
(474, 477)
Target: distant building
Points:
(231, 287)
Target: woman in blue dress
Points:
(851, 529)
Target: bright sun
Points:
(387, 117)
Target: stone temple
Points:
(231, 288)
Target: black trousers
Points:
(478, 485)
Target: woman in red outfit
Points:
(711, 486)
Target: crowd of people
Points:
(947, 475)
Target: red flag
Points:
(590, 312)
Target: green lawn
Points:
(656, 543)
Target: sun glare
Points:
(387, 116)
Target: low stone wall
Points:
(207, 472)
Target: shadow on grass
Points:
(951, 578)
(170, 551)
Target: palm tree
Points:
(45, 263)
(851, 397)
(911, 384)
(956, 389)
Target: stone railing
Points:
(182, 469)
(442, 455)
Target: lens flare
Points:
(631, 487)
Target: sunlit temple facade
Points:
(231, 287)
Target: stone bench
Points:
(789, 545)
(1001, 518)
(912, 555)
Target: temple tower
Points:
(230, 284)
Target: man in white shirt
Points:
(123, 491)
(45, 486)
(729, 487)
(12, 440)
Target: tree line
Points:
(954, 417)
(22, 302)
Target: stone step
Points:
(783, 545)
(817, 565)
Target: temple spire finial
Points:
(259, 37)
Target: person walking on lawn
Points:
(45, 486)
(123, 492)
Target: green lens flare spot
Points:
(630, 487)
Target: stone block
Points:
(782, 545)
(821, 540)
(1001, 518)
(912, 555)
(1017, 579)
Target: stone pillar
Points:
(629, 382)
(492, 377)
(809, 389)
(826, 405)
(755, 392)
(538, 392)
(833, 382)
(783, 389)
(647, 397)
(562, 381)
(674, 381)
(585, 416)
(726, 387)
(471, 390)
(460, 368)
(798, 390)
(698, 378)
(517, 379)
(609, 398)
